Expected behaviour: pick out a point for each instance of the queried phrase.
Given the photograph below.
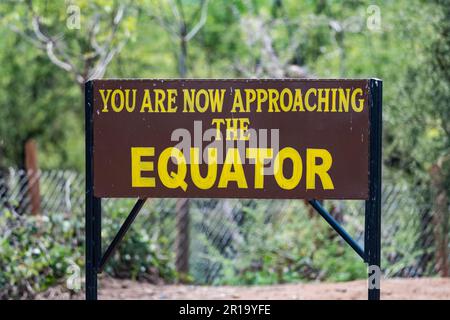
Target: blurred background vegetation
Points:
(48, 49)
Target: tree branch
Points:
(201, 22)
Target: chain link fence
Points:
(231, 241)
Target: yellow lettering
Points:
(333, 100)
(160, 96)
(298, 101)
(297, 168)
(323, 100)
(105, 99)
(262, 97)
(286, 107)
(204, 93)
(173, 179)
(259, 155)
(307, 104)
(208, 181)
(344, 97)
(216, 99)
(130, 108)
(117, 108)
(232, 160)
(360, 106)
(250, 95)
(137, 166)
(237, 103)
(171, 96)
(321, 170)
(274, 95)
(146, 102)
(188, 100)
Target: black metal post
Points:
(372, 237)
(337, 227)
(93, 205)
(119, 236)
(97, 233)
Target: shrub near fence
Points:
(231, 241)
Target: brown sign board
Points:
(240, 138)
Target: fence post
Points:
(182, 238)
(440, 216)
(32, 173)
(372, 234)
(93, 205)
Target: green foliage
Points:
(38, 251)
(410, 52)
(36, 101)
(49, 106)
(35, 252)
(41, 91)
(277, 242)
(146, 251)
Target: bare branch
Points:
(37, 30)
(171, 26)
(51, 45)
(24, 35)
(108, 51)
(201, 22)
(119, 15)
(93, 31)
(166, 25)
(267, 61)
(174, 25)
(97, 57)
(100, 68)
(176, 13)
(54, 59)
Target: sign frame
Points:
(370, 254)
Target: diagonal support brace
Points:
(338, 228)
(119, 236)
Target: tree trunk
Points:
(182, 57)
(182, 238)
(32, 169)
(440, 218)
(182, 205)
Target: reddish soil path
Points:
(421, 288)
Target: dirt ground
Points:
(421, 288)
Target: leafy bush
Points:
(35, 252)
(275, 242)
(38, 251)
(232, 242)
(146, 251)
